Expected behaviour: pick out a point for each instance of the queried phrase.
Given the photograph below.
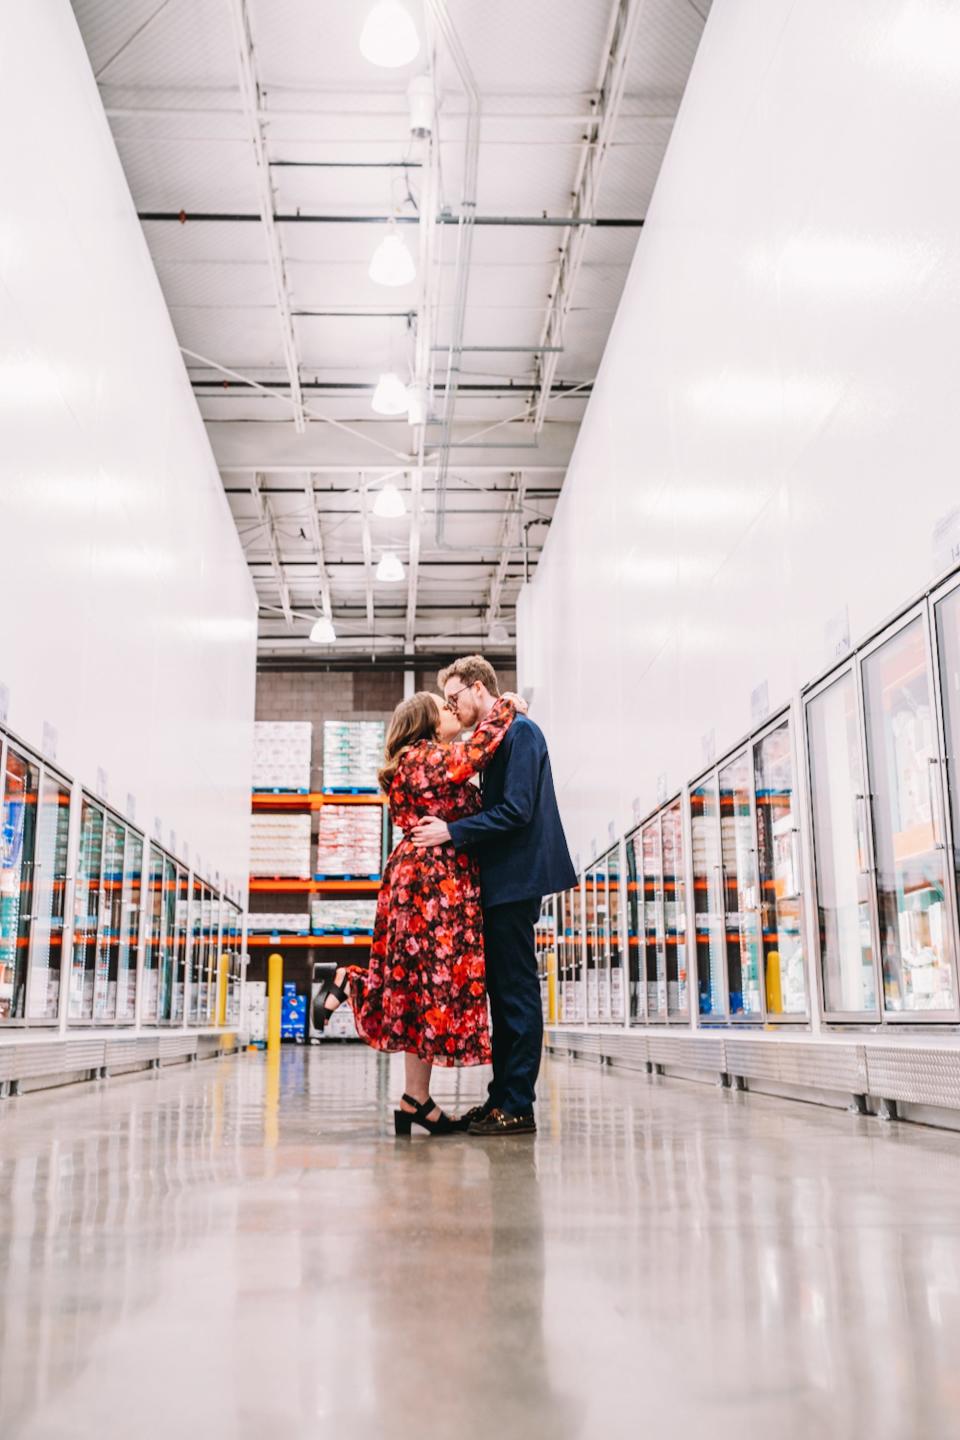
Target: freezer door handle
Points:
(865, 866)
(935, 790)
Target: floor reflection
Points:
(230, 1246)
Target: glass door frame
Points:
(746, 749)
(923, 611)
(44, 771)
(872, 1017)
(92, 1022)
(656, 817)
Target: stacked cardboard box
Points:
(280, 845)
(350, 840)
(342, 916)
(281, 755)
(286, 922)
(352, 754)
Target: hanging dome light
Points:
(499, 634)
(390, 396)
(323, 632)
(416, 404)
(391, 262)
(389, 504)
(389, 36)
(390, 568)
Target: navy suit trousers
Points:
(515, 1006)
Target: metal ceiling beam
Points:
(610, 86)
(316, 535)
(275, 562)
(367, 550)
(250, 97)
(561, 222)
(511, 514)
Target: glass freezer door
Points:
(108, 948)
(674, 912)
(593, 945)
(741, 891)
(917, 944)
(129, 929)
(778, 861)
(634, 928)
(153, 941)
(50, 879)
(708, 898)
(654, 962)
(86, 914)
(603, 940)
(615, 901)
(841, 854)
(18, 823)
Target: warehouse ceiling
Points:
(269, 159)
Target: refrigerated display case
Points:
(18, 826)
(546, 942)
(572, 984)
(634, 928)
(49, 895)
(748, 907)
(181, 933)
(658, 921)
(590, 944)
(106, 919)
(615, 934)
(882, 742)
(233, 948)
(841, 856)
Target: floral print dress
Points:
(425, 991)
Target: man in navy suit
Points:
(519, 840)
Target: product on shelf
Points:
(293, 1014)
(352, 754)
(281, 755)
(284, 922)
(350, 840)
(342, 916)
(280, 845)
(254, 1020)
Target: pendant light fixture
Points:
(389, 36)
(391, 263)
(390, 570)
(390, 396)
(389, 504)
(416, 404)
(499, 634)
(323, 632)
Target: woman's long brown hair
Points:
(413, 720)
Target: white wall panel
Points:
(128, 615)
(774, 433)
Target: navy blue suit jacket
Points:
(518, 836)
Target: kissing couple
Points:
(460, 900)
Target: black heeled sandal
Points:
(404, 1120)
(320, 1012)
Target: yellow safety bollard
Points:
(274, 1000)
(222, 968)
(551, 987)
(774, 988)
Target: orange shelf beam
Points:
(263, 800)
(278, 886)
(283, 941)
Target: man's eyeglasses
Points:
(451, 701)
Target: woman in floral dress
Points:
(424, 992)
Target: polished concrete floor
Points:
(239, 1250)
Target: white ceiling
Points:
(169, 73)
